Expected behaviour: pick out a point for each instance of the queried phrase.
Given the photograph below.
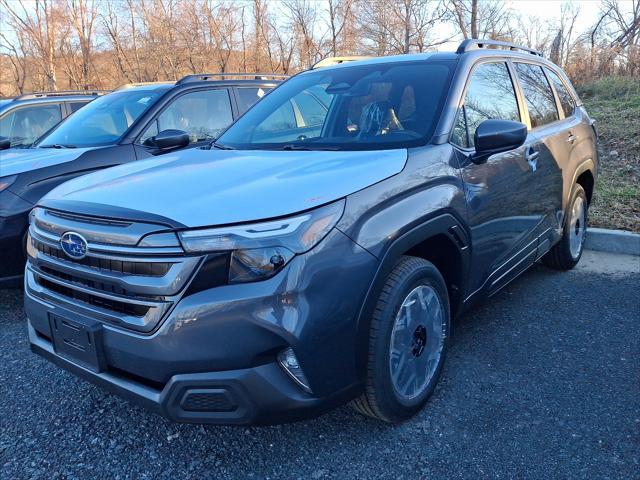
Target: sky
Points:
(548, 10)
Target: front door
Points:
(503, 198)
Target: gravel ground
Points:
(542, 381)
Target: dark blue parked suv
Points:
(317, 253)
(135, 122)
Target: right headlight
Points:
(260, 250)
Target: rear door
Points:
(549, 146)
(503, 198)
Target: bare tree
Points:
(43, 29)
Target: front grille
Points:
(132, 286)
(152, 269)
(108, 304)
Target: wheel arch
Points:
(444, 241)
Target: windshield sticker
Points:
(260, 93)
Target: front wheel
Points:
(567, 252)
(407, 341)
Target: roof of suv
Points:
(468, 47)
(43, 97)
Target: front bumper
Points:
(217, 348)
(262, 395)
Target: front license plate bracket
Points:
(78, 341)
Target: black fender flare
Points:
(442, 223)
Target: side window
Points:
(248, 96)
(566, 100)
(75, 106)
(312, 112)
(25, 125)
(538, 94)
(303, 115)
(490, 95)
(203, 115)
(284, 118)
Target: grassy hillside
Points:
(615, 103)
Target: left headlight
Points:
(5, 182)
(260, 250)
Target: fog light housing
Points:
(289, 363)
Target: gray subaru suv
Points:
(317, 252)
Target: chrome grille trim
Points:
(54, 241)
(99, 233)
(115, 283)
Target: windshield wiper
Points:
(293, 146)
(221, 147)
(57, 145)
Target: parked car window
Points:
(76, 105)
(25, 125)
(490, 95)
(311, 110)
(104, 120)
(248, 96)
(362, 107)
(538, 94)
(566, 100)
(203, 114)
(284, 118)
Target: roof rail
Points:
(60, 93)
(140, 84)
(200, 77)
(475, 44)
(329, 61)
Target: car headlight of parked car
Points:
(260, 250)
(5, 182)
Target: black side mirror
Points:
(496, 136)
(170, 139)
(5, 143)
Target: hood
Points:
(19, 160)
(216, 187)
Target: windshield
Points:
(103, 121)
(363, 107)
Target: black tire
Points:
(380, 399)
(560, 256)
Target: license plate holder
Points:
(79, 341)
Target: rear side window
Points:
(538, 94)
(248, 96)
(490, 95)
(76, 106)
(566, 100)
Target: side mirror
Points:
(170, 139)
(5, 143)
(496, 136)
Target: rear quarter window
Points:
(538, 94)
(566, 100)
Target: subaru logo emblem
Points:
(74, 245)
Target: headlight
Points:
(260, 250)
(5, 182)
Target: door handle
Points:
(571, 137)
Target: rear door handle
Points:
(571, 138)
